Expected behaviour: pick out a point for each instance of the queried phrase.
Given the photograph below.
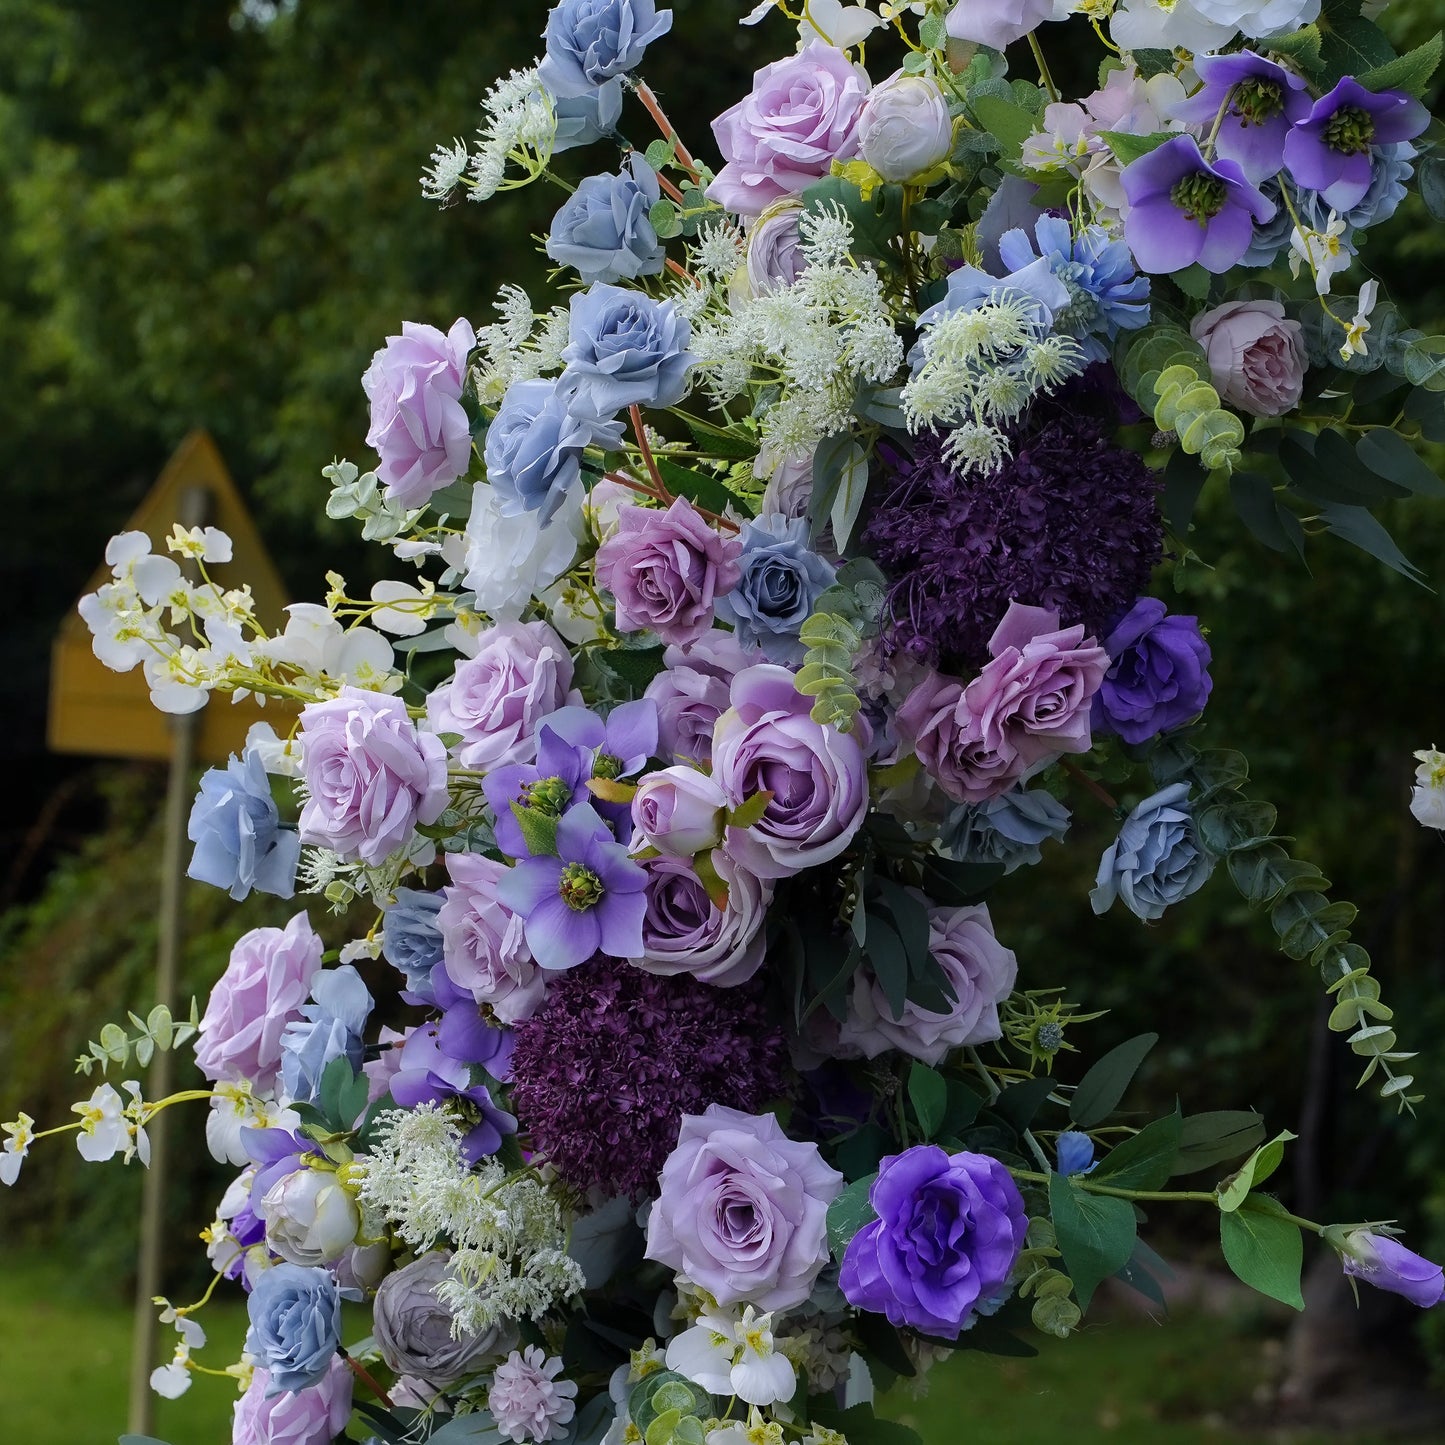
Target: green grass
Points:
(64, 1353)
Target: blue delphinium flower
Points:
(1007, 829)
(1157, 858)
(240, 843)
(782, 577)
(295, 1315)
(604, 231)
(1075, 1153)
(1106, 294)
(330, 1029)
(411, 939)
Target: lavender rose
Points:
(684, 931)
(522, 671)
(742, 1209)
(980, 969)
(691, 692)
(1256, 357)
(947, 1234)
(802, 115)
(937, 723)
(666, 570)
(997, 23)
(371, 775)
(1158, 677)
(604, 231)
(775, 248)
(483, 948)
(308, 1416)
(418, 424)
(625, 349)
(265, 984)
(905, 128)
(768, 742)
(790, 484)
(680, 811)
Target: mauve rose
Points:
(371, 775)
(691, 692)
(982, 972)
(666, 569)
(266, 982)
(521, 672)
(679, 811)
(790, 485)
(413, 1328)
(418, 424)
(742, 1210)
(313, 1416)
(775, 249)
(905, 128)
(483, 948)
(1158, 677)
(768, 742)
(1256, 356)
(684, 931)
(997, 23)
(936, 722)
(801, 116)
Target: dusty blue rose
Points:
(591, 41)
(330, 1029)
(240, 844)
(782, 577)
(625, 349)
(582, 119)
(1007, 829)
(411, 938)
(295, 1317)
(603, 231)
(1157, 858)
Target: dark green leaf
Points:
(1194, 281)
(963, 1106)
(477, 1429)
(1353, 46)
(1259, 509)
(1127, 148)
(1356, 525)
(720, 443)
(1263, 1249)
(1327, 470)
(889, 961)
(1301, 46)
(882, 1344)
(334, 1079)
(1146, 1159)
(1229, 825)
(1255, 871)
(1424, 407)
(848, 1213)
(1018, 1103)
(1430, 177)
(859, 1153)
(861, 1425)
(1095, 1233)
(1387, 454)
(1410, 72)
(1009, 124)
(1184, 480)
(706, 491)
(928, 1093)
(1101, 1089)
(634, 666)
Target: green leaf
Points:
(335, 1078)
(1430, 178)
(539, 830)
(750, 810)
(665, 220)
(1387, 454)
(1101, 1089)
(1424, 363)
(848, 499)
(1302, 47)
(861, 1425)
(719, 442)
(1353, 45)
(633, 666)
(1225, 827)
(1259, 509)
(1263, 1249)
(1009, 124)
(1194, 281)
(848, 1213)
(1095, 1233)
(1018, 1103)
(928, 1093)
(1145, 1160)
(1256, 1169)
(351, 1101)
(1184, 480)
(1356, 525)
(1128, 148)
(876, 221)
(706, 491)
(1410, 72)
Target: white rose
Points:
(1256, 20)
(905, 128)
(310, 1219)
(511, 558)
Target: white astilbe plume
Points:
(518, 347)
(519, 129)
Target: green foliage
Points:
(1233, 1191)
(1145, 1160)
(842, 617)
(1163, 368)
(1211, 1138)
(1264, 1249)
(1096, 1233)
(848, 1213)
(157, 1032)
(1103, 1086)
(928, 1093)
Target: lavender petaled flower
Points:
(780, 579)
(1331, 149)
(1261, 101)
(468, 1035)
(590, 898)
(1075, 1152)
(428, 1076)
(528, 1401)
(1182, 209)
(691, 692)
(1387, 1264)
(550, 785)
(276, 1153)
(1158, 677)
(236, 827)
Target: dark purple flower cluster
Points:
(607, 1067)
(1070, 522)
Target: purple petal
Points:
(620, 917)
(561, 937)
(1162, 237)
(1226, 239)
(530, 883)
(579, 827)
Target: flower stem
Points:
(366, 1378)
(1081, 777)
(655, 110)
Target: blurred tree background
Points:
(209, 217)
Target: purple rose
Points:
(775, 249)
(948, 740)
(997, 23)
(1386, 1263)
(1256, 357)
(418, 424)
(371, 775)
(768, 742)
(691, 692)
(522, 671)
(980, 969)
(484, 950)
(315, 1415)
(265, 984)
(684, 931)
(947, 1234)
(680, 811)
(1158, 678)
(802, 115)
(905, 128)
(666, 570)
(742, 1210)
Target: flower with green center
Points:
(1247, 104)
(580, 887)
(606, 765)
(549, 796)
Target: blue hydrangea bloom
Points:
(295, 1315)
(591, 41)
(1106, 294)
(1157, 858)
(582, 119)
(1007, 829)
(411, 939)
(1075, 1153)
(782, 577)
(330, 1029)
(240, 843)
(603, 230)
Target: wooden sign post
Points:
(108, 714)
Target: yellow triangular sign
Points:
(109, 714)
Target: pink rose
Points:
(265, 984)
(768, 742)
(371, 775)
(666, 569)
(315, 1415)
(483, 949)
(982, 972)
(679, 811)
(1256, 357)
(801, 116)
(418, 424)
(691, 692)
(521, 672)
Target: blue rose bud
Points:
(411, 938)
(1075, 1153)
(604, 231)
(295, 1315)
(330, 1029)
(591, 41)
(1157, 858)
(240, 844)
(625, 349)
(782, 577)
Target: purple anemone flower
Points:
(1183, 210)
(428, 1076)
(1331, 150)
(590, 897)
(465, 1034)
(551, 785)
(1261, 101)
